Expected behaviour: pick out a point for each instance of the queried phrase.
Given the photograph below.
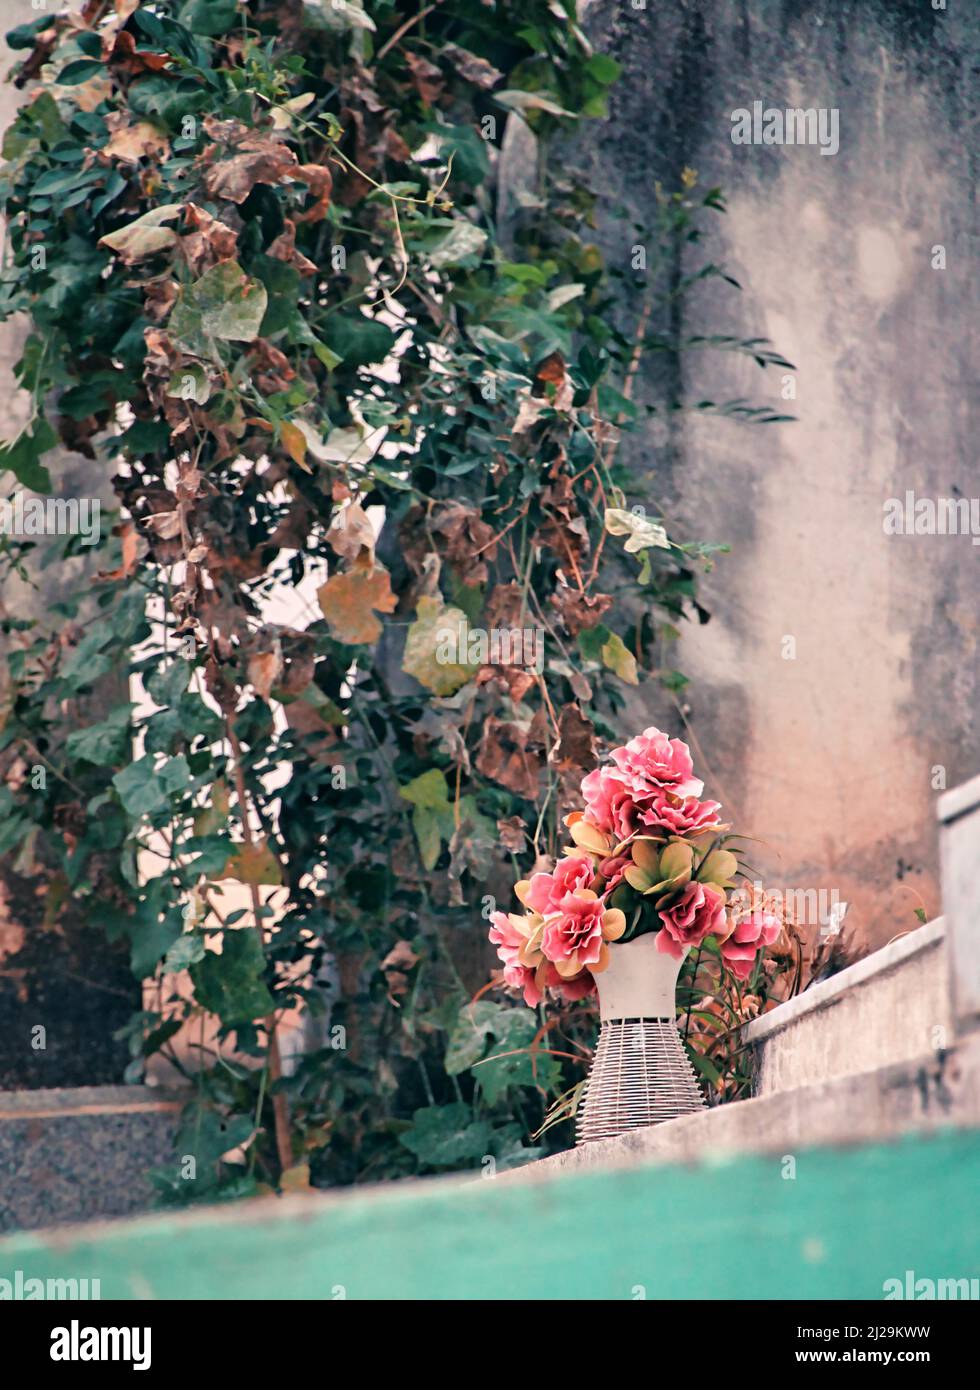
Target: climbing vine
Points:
(374, 570)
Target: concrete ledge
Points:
(958, 801)
(878, 963)
(74, 1154)
(931, 1094)
(891, 1007)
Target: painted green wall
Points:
(850, 1219)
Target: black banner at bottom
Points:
(186, 1339)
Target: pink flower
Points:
(517, 940)
(612, 870)
(522, 977)
(681, 815)
(659, 761)
(578, 987)
(651, 783)
(611, 801)
(505, 936)
(532, 981)
(576, 935)
(697, 913)
(750, 934)
(543, 892)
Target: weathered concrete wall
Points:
(892, 1006)
(931, 1094)
(828, 756)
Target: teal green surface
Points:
(849, 1220)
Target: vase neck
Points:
(640, 981)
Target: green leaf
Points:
(705, 1066)
(191, 383)
(475, 1025)
(22, 456)
(429, 826)
(356, 340)
(25, 35)
(186, 951)
(208, 17)
(467, 149)
(462, 242)
(432, 819)
(230, 984)
(152, 934)
(429, 789)
(591, 641)
(603, 68)
(207, 1134)
(282, 284)
(79, 71)
(484, 1030)
(90, 659)
(140, 788)
(102, 744)
(447, 1136)
(13, 829)
(168, 683)
(223, 304)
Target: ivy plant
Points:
(345, 410)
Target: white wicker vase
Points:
(640, 1074)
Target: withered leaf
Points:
(263, 671)
(506, 757)
(551, 369)
(254, 863)
(284, 249)
(426, 77)
(166, 525)
(576, 741)
(208, 241)
(348, 601)
(258, 157)
(131, 143)
(130, 549)
(476, 70)
(320, 182)
(351, 531)
(294, 441)
(144, 236)
(513, 834)
(432, 652)
(580, 611)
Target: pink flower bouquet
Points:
(648, 855)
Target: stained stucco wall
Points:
(828, 756)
